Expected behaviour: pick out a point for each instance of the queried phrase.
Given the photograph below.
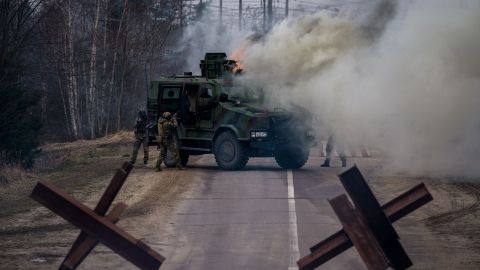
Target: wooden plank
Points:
(113, 188)
(359, 233)
(96, 226)
(407, 202)
(365, 202)
(105, 201)
(325, 250)
(86, 245)
(338, 242)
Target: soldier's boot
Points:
(179, 166)
(326, 163)
(344, 162)
(158, 166)
(132, 161)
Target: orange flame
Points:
(239, 55)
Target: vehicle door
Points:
(190, 108)
(206, 106)
(170, 100)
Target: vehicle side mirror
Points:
(223, 97)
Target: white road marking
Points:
(292, 230)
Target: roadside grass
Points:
(12, 174)
(15, 185)
(88, 165)
(75, 162)
(68, 165)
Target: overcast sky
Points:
(253, 8)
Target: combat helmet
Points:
(167, 115)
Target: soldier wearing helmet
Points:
(140, 130)
(167, 125)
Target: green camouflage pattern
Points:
(166, 141)
(166, 129)
(173, 148)
(197, 130)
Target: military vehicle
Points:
(228, 120)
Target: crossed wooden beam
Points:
(95, 225)
(367, 226)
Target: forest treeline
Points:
(78, 69)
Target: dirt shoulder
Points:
(32, 237)
(450, 231)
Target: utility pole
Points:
(190, 7)
(240, 15)
(264, 17)
(181, 13)
(270, 14)
(221, 10)
(286, 8)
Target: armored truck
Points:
(230, 121)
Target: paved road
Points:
(260, 218)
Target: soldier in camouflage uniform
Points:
(141, 138)
(167, 126)
(331, 144)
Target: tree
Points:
(90, 60)
(19, 119)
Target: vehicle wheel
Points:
(230, 154)
(292, 157)
(170, 161)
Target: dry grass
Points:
(14, 180)
(55, 155)
(79, 144)
(9, 174)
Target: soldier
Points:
(140, 130)
(167, 126)
(331, 144)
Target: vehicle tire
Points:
(230, 153)
(170, 161)
(291, 157)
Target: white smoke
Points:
(412, 90)
(209, 35)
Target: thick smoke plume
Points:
(404, 79)
(208, 35)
